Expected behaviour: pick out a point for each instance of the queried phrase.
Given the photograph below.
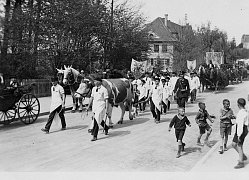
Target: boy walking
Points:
(241, 132)
(179, 122)
(225, 124)
(201, 120)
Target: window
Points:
(164, 48)
(156, 48)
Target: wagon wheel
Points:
(6, 117)
(28, 108)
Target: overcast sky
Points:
(231, 16)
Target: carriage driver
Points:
(57, 105)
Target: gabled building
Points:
(245, 41)
(163, 34)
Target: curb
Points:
(205, 157)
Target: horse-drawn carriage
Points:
(18, 100)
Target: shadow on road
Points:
(127, 123)
(115, 133)
(191, 150)
(211, 143)
(19, 124)
(78, 127)
(226, 90)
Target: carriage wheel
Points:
(28, 108)
(6, 117)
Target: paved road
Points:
(136, 146)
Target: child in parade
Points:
(201, 120)
(156, 95)
(226, 116)
(142, 95)
(166, 94)
(179, 122)
(241, 132)
(135, 98)
(193, 84)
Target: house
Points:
(245, 41)
(163, 34)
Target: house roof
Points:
(162, 32)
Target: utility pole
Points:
(111, 60)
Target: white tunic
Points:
(143, 92)
(157, 95)
(193, 83)
(173, 81)
(241, 120)
(167, 92)
(148, 82)
(99, 97)
(57, 94)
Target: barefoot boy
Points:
(225, 124)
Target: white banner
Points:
(138, 66)
(215, 57)
(191, 65)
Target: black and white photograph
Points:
(124, 89)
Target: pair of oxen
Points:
(119, 90)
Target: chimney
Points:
(166, 20)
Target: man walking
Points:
(181, 90)
(57, 105)
(99, 101)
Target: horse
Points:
(71, 77)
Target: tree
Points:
(187, 48)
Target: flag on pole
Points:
(191, 65)
(138, 66)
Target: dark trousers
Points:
(168, 105)
(155, 112)
(96, 127)
(142, 105)
(181, 101)
(193, 95)
(51, 118)
(164, 106)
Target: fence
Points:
(41, 88)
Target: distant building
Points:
(163, 34)
(245, 41)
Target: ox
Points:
(120, 94)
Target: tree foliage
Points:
(41, 35)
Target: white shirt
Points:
(198, 81)
(157, 92)
(173, 81)
(193, 83)
(57, 93)
(241, 120)
(143, 91)
(99, 95)
(148, 82)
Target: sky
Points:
(231, 16)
